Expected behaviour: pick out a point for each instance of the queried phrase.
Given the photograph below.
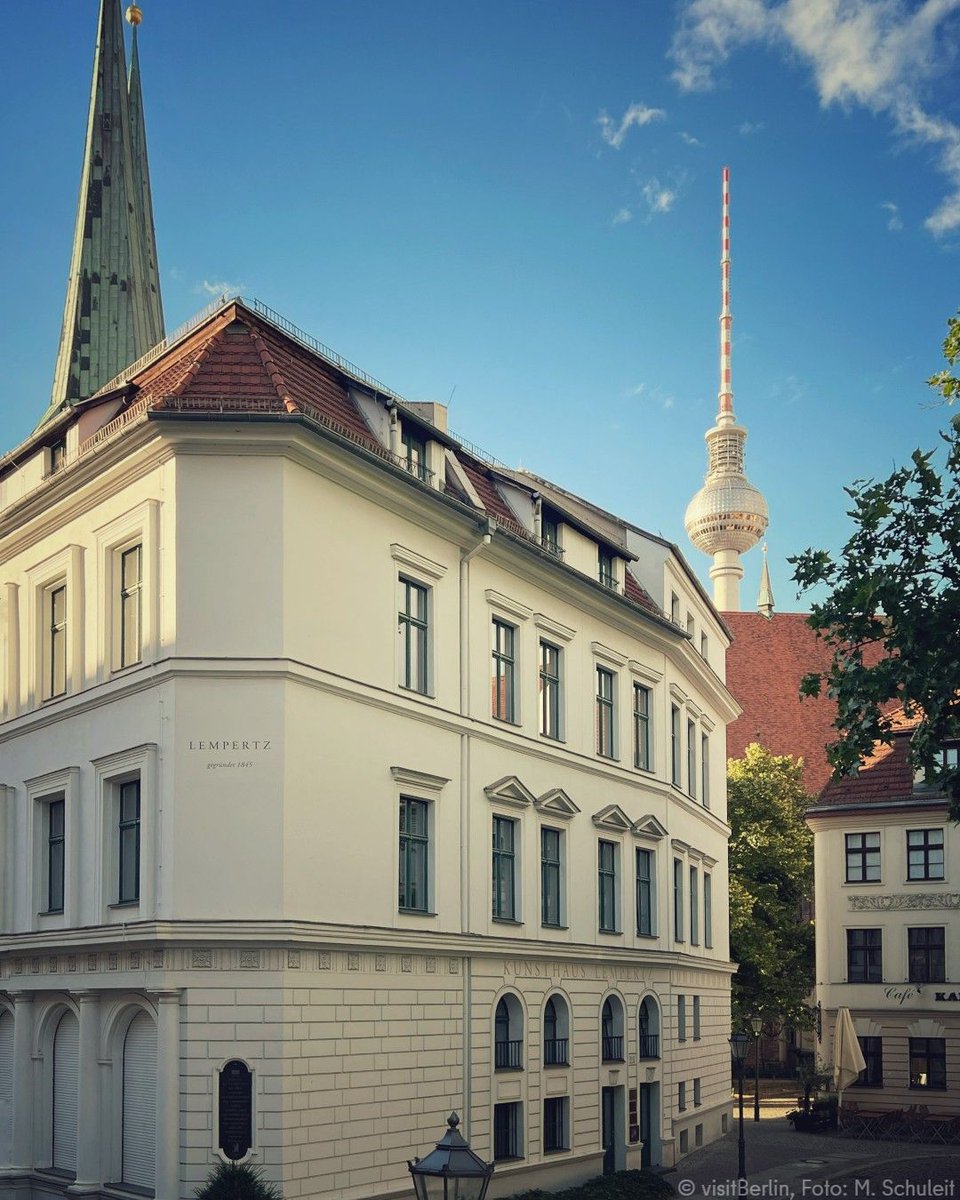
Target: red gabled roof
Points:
(765, 663)
(886, 775)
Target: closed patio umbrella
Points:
(848, 1060)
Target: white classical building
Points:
(887, 863)
(344, 766)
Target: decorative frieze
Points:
(898, 901)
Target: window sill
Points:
(551, 925)
(511, 721)
(128, 1189)
(125, 904)
(556, 1150)
(50, 912)
(512, 1159)
(507, 1070)
(867, 882)
(505, 920)
(607, 1062)
(554, 1066)
(607, 757)
(415, 912)
(553, 737)
(926, 879)
(412, 691)
(611, 932)
(645, 934)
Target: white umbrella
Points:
(848, 1060)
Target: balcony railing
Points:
(649, 1045)
(508, 1056)
(612, 1048)
(555, 1052)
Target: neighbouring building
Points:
(888, 871)
(346, 776)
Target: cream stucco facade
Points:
(257, 785)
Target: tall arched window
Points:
(611, 1030)
(649, 1046)
(508, 1035)
(66, 1050)
(556, 1033)
(6, 1086)
(139, 1134)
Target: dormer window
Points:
(414, 453)
(550, 534)
(58, 455)
(607, 569)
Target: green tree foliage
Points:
(892, 615)
(771, 878)
(237, 1181)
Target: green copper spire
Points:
(113, 312)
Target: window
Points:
(681, 1018)
(872, 1073)
(705, 770)
(58, 455)
(684, 1140)
(139, 1135)
(707, 910)
(414, 854)
(506, 1131)
(607, 879)
(928, 1063)
(692, 759)
(555, 1033)
(681, 1096)
(926, 955)
(508, 1035)
(504, 869)
(611, 1031)
(56, 833)
(549, 690)
(678, 899)
(641, 726)
(696, 1093)
(864, 956)
(129, 856)
(606, 712)
(65, 1093)
(131, 580)
(649, 1037)
(704, 647)
(924, 854)
(414, 632)
(551, 877)
(646, 892)
(863, 857)
(503, 682)
(414, 452)
(550, 534)
(606, 570)
(675, 745)
(690, 626)
(555, 1136)
(56, 606)
(694, 906)
(675, 608)
(696, 1018)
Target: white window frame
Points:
(617, 874)
(140, 526)
(517, 858)
(41, 792)
(561, 922)
(411, 784)
(64, 569)
(559, 637)
(417, 569)
(139, 762)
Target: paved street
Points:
(782, 1164)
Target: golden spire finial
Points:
(134, 15)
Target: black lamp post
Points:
(452, 1171)
(756, 1024)
(738, 1047)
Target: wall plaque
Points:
(236, 1110)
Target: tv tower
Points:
(728, 515)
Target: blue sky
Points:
(515, 207)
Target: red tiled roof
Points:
(886, 775)
(765, 663)
(635, 591)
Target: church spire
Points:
(113, 312)
(765, 595)
(728, 515)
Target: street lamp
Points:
(738, 1048)
(756, 1024)
(452, 1171)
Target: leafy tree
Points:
(237, 1181)
(892, 615)
(771, 879)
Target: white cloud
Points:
(217, 287)
(872, 53)
(746, 128)
(637, 114)
(639, 390)
(689, 139)
(622, 216)
(659, 198)
(894, 221)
